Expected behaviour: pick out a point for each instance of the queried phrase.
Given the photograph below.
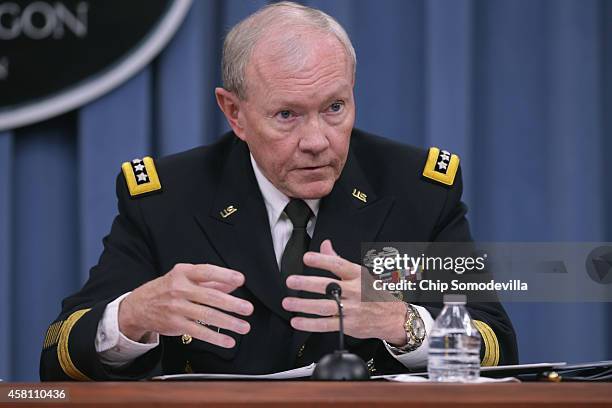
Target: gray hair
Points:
(241, 40)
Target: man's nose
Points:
(314, 139)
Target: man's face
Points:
(297, 118)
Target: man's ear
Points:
(230, 104)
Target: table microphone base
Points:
(340, 366)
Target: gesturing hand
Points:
(382, 320)
(171, 304)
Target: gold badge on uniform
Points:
(360, 195)
(141, 176)
(441, 166)
(228, 211)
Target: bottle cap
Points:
(455, 299)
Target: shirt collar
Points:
(275, 200)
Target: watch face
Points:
(418, 328)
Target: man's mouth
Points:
(313, 167)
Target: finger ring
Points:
(218, 329)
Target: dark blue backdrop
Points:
(521, 89)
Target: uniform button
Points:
(103, 336)
(301, 351)
(186, 339)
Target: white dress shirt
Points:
(116, 350)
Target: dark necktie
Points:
(292, 260)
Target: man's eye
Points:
(284, 114)
(336, 106)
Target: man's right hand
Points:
(171, 304)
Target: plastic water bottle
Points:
(454, 344)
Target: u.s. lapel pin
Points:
(228, 211)
(360, 195)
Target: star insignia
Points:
(141, 176)
(441, 166)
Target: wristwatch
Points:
(415, 331)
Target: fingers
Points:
(338, 266)
(205, 334)
(327, 248)
(323, 324)
(315, 284)
(223, 287)
(214, 317)
(210, 285)
(220, 300)
(320, 307)
(208, 272)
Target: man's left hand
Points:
(383, 320)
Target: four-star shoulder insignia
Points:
(441, 166)
(141, 176)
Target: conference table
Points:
(313, 394)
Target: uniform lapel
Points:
(349, 216)
(237, 227)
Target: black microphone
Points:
(333, 290)
(340, 365)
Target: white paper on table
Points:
(511, 370)
(408, 378)
(305, 371)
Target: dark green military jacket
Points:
(381, 195)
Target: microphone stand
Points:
(335, 291)
(340, 365)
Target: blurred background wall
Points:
(520, 89)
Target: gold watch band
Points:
(412, 341)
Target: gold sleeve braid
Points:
(491, 355)
(63, 354)
(52, 334)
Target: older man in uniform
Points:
(219, 256)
